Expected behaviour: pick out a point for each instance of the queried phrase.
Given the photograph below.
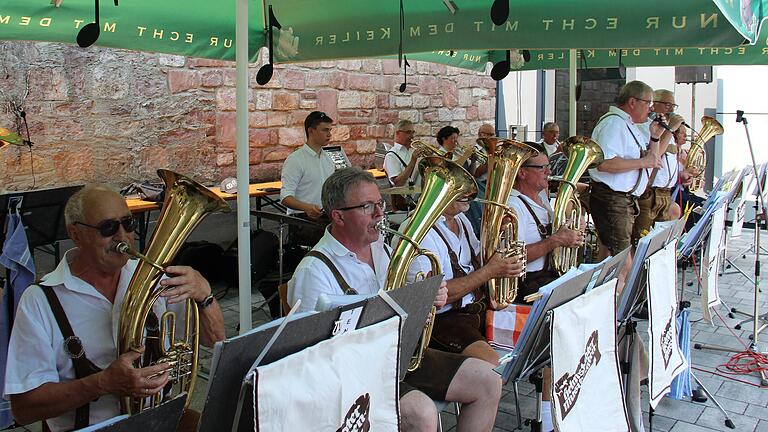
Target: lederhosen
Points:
(536, 279)
(459, 327)
(73, 346)
(437, 368)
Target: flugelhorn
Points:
(697, 155)
(499, 230)
(583, 153)
(443, 182)
(186, 204)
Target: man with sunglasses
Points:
(71, 382)
(351, 258)
(460, 324)
(630, 156)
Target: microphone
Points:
(661, 122)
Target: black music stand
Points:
(42, 212)
(233, 358)
(164, 418)
(532, 350)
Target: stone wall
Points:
(116, 116)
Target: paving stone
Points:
(660, 423)
(680, 410)
(743, 393)
(687, 427)
(713, 418)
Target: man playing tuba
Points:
(352, 258)
(73, 381)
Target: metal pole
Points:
(572, 74)
(243, 168)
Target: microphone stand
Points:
(759, 217)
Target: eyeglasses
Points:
(367, 207)
(109, 227)
(649, 102)
(537, 166)
(670, 105)
(408, 132)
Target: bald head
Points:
(87, 197)
(486, 130)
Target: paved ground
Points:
(747, 405)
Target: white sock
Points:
(546, 416)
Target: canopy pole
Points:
(572, 93)
(243, 167)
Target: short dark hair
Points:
(445, 132)
(315, 118)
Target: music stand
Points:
(42, 212)
(164, 418)
(233, 358)
(610, 268)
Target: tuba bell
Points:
(444, 182)
(583, 153)
(186, 204)
(697, 155)
(499, 230)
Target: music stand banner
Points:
(710, 294)
(666, 360)
(349, 382)
(586, 383)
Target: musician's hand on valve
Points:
(442, 295)
(185, 282)
(567, 237)
(500, 267)
(313, 211)
(122, 379)
(686, 178)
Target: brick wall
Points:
(116, 116)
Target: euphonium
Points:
(444, 182)
(697, 155)
(499, 230)
(583, 153)
(186, 203)
(430, 149)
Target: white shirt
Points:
(36, 350)
(616, 140)
(394, 166)
(463, 246)
(303, 175)
(312, 277)
(666, 176)
(550, 148)
(528, 231)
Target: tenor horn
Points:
(444, 182)
(583, 153)
(186, 204)
(697, 155)
(499, 230)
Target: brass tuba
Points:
(697, 155)
(499, 230)
(430, 149)
(583, 153)
(444, 182)
(186, 203)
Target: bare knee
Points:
(418, 413)
(475, 381)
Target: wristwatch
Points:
(205, 302)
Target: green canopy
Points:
(334, 29)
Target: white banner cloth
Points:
(586, 385)
(666, 360)
(710, 295)
(348, 383)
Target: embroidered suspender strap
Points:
(475, 257)
(458, 271)
(543, 229)
(74, 348)
(332, 267)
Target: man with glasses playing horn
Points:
(655, 203)
(352, 258)
(460, 324)
(75, 380)
(623, 176)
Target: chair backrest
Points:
(282, 289)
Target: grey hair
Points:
(633, 89)
(403, 123)
(548, 126)
(338, 184)
(75, 208)
(663, 94)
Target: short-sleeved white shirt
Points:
(36, 352)
(550, 148)
(303, 175)
(618, 136)
(528, 231)
(463, 245)
(666, 176)
(394, 165)
(313, 277)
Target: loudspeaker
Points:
(693, 74)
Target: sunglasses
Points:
(367, 207)
(536, 166)
(109, 227)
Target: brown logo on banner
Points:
(357, 419)
(568, 387)
(667, 340)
